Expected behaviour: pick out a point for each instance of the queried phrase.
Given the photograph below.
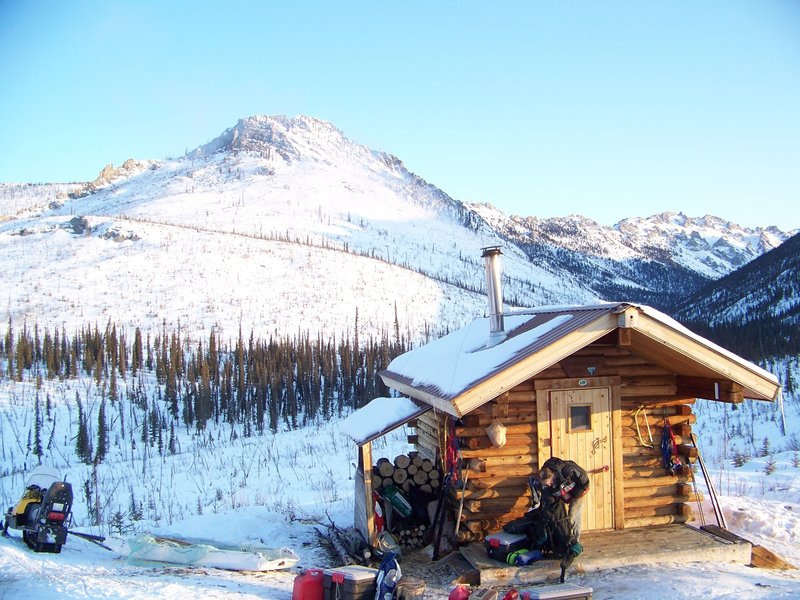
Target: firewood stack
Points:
(419, 481)
(411, 537)
(406, 472)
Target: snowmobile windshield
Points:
(43, 477)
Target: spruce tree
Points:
(36, 448)
(766, 449)
(83, 447)
(9, 344)
(137, 357)
(102, 434)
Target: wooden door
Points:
(575, 424)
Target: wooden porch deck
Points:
(617, 548)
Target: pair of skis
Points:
(712, 492)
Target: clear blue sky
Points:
(606, 109)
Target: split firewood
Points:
(399, 476)
(420, 477)
(385, 467)
(402, 461)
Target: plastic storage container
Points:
(398, 501)
(308, 585)
(499, 545)
(557, 591)
(349, 583)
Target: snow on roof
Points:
(454, 362)
(379, 417)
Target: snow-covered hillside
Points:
(285, 225)
(708, 246)
(297, 234)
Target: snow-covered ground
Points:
(84, 570)
(276, 489)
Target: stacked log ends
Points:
(413, 471)
(410, 473)
(411, 537)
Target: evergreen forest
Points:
(254, 385)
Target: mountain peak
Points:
(269, 135)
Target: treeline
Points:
(257, 384)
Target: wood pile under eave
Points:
(405, 472)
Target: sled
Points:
(211, 554)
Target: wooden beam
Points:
(507, 450)
(618, 482)
(502, 482)
(503, 492)
(365, 467)
(649, 402)
(655, 520)
(510, 430)
(483, 442)
(489, 462)
(766, 559)
(653, 481)
(505, 471)
(722, 390)
(654, 420)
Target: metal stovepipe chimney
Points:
(491, 260)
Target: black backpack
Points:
(549, 529)
(559, 528)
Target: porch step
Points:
(615, 549)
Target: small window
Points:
(580, 418)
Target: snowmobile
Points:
(44, 513)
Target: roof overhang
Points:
(703, 366)
(379, 417)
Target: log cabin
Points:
(597, 384)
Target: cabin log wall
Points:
(497, 489)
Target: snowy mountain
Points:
(658, 260)
(285, 224)
(754, 310)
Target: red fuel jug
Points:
(460, 592)
(308, 585)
